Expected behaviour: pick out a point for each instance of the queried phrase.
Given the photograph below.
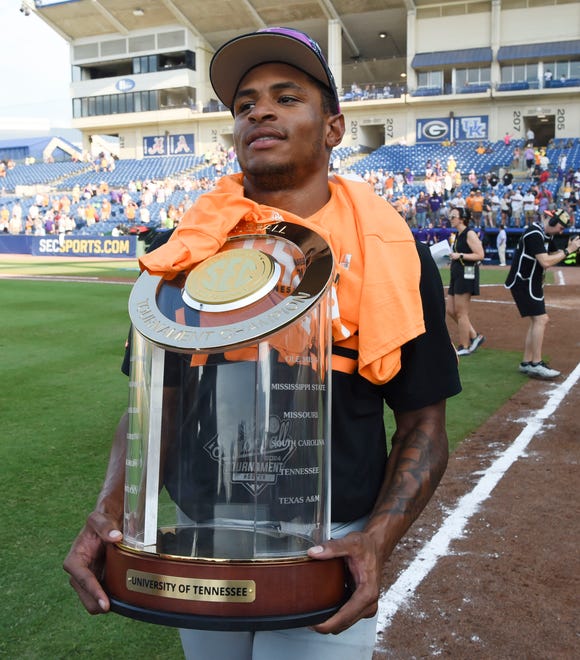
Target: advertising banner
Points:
(155, 145)
(168, 145)
(85, 246)
(65, 245)
(471, 128)
(439, 129)
(15, 244)
(433, 129)
(181, 144)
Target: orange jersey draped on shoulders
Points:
(377, 294)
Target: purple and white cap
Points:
(235, 58)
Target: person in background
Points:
(15, 225)
(4, 218)
(507, 180)
(495, 207)
(516, 156)
(530, 136)
(501, 244)
(486, 212)
(529, 158)
(529, 206)
(474, 204)
(286, 122)
(434, 202)
(464, 281)
(421, 208)
(534, 254)
(458, 201)
(505, 209)
(517, 202)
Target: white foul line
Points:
(453, 526)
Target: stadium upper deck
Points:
(411, 70)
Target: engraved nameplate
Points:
(170, 586)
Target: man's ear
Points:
(334, 130)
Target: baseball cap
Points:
(236, 57)
(560, 216)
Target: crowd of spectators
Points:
(152, 202)
(372, 91)
(128, 206)
(493, 198)
(511, 196)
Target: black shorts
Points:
(527, 306)
(458, 285)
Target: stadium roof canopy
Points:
(37, 147)
(447, 57)
(543, 50)
(372, 30)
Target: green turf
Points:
(117, 268)
(489, 275)
(489, 378)
(63, 393)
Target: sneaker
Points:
(541, 370)
(524, 367)
(476, 342)
(461, 350)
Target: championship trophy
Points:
(228, 448)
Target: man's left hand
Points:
(364, 564)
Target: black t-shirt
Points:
(429, 374)
(525, 268)
(507, 179)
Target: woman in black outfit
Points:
(464, 282)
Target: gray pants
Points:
(356, 643)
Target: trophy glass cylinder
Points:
(228, 448)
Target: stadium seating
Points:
(473, 89)
(396, 157)
(48, 174)
(154, 168)
(427, 91)
(512, 86)
(63, 176)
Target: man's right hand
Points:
(85, 561)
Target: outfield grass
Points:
(86, 268)
(63, 393)
(492, 275)
(62, 396)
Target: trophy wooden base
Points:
(224, 595)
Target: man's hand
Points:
(364, 563)
(574, 244)
(416, 464)
(85, 561)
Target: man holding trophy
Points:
(389, 339)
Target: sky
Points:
(34, 72)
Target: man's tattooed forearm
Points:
(420, 466)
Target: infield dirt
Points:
(509, 587)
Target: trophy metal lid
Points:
(254, 286)
(231, 279)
